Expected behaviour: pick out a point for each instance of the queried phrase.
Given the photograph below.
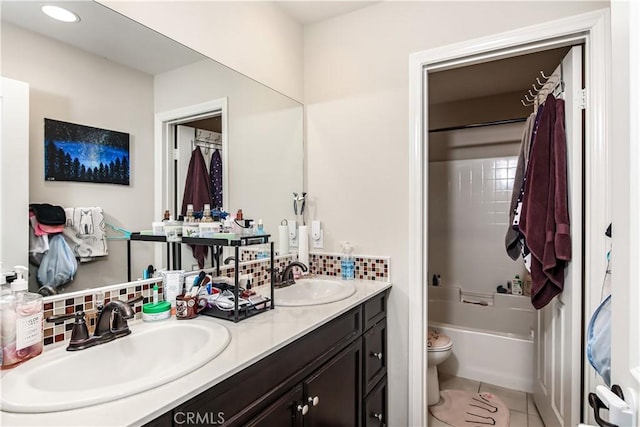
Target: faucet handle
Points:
(57, 318)
(134, 300)
(80, 332)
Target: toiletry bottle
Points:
(167, 215)
(260, 229)
(189, 215)
(516, 285)
(206, 213)
(263, 251)
(347, 262)
(22, 313)
(238, 223)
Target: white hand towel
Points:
(85, 232)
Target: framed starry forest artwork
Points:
(75, 152)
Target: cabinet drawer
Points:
(375, 354)
(374, 410)
(375, 310)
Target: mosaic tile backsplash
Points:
(325, 264)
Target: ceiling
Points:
(515, 74)
(310, 12)
(104, 32)
(127, 42)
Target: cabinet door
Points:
(164, 420)
(334, 392)
(289, 410)
(375, 406)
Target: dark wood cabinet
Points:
(333, 376)
(375, 352)
(289, 410)
(333, 393)
(374, 408)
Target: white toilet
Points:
(439, 348)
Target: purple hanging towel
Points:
(197, 193)
(545, 217)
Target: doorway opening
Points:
(586, 29)
(477, 117)
(178, 133)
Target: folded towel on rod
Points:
(84, 231)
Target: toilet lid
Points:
(437, 341)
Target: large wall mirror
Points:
(110, 72)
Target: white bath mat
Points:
(464, 409)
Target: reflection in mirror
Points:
(110, 72)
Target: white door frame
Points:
(163, 153)
(591, 28)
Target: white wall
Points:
(71, 85)
(255, 38)
(357, 111)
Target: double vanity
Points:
(308, 362)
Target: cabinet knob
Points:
(377, 416)
(314, 400)
(378, 355)
(304, 409)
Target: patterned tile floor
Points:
(520, 404)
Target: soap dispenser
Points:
(347, 262)
(22, 313)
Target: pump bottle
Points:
(21, 329)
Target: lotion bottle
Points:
(516, 285)
(22, 314)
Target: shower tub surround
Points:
(492, 343)
(469, 203)
(323, 264)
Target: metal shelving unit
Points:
(248, 310)
(174, 250)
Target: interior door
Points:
(558, 329)
(14, 175)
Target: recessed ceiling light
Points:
(60, 13)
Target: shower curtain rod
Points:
(481, 125)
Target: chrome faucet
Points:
(286, 279)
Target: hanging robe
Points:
(197, 193)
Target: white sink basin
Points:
(313, 292)
(154, 354)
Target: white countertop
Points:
(251, 340)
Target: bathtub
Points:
(492, 336)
